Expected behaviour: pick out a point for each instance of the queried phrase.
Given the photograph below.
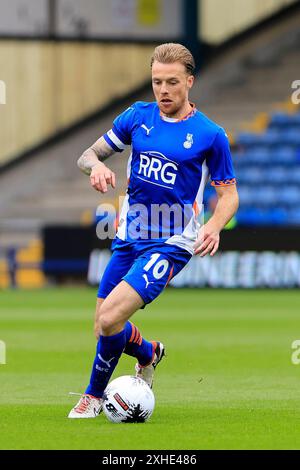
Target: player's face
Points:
(171, 85)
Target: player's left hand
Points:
(208, 240)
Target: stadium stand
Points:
(268, 172)
(245, 91)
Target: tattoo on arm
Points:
(98, 152)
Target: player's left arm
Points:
(209, 235)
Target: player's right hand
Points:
(101, 176)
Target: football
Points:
(128, 399)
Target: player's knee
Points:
(107, 321)
(106, 325)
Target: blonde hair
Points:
(173, 52)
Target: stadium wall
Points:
(56, 81)
(51, 85)
(218, 21)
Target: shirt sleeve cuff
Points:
(227, 182)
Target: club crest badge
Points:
(188, 142)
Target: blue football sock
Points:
(108, 352)
(137, 346)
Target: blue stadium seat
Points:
(276, 216)
(262, 217)
(295, 118)
(258, 155)
(284, 154)
(294, 217)
(249, 217)
(276, 175)
(283, 121)
(245, 195)
(268, 173)
(270, 138)
(241, 175)
(279, 120)
(239, 159)
(294, 174)
(291, 136)
(289, 195)
(251, 175)
(265, 196)
(246, 139)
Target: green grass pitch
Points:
(227, 382)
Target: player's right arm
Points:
(115, 140)
(91, 163)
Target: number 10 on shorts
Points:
(160, 267)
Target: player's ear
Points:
(190, 81)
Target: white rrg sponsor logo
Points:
(154, 168)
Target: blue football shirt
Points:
(167, 170)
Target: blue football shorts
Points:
(145, 265)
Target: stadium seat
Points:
(240, 159)
(268, 173)
(245, 195)
(294, 175)
(276, 175)
(284, 154)
(246, 139)
(259, 155)
(251, 175)
(279, 120)
(265, 196)
(270, 138)
(276, 216)
(249, 217)
(267, 167)
(262, 217)
(289, 195)
(294, 217)
(291, 136)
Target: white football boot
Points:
(147, 372)
(87, 407)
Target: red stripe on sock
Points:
(138, 338)
(132, 333)
(136, 335)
